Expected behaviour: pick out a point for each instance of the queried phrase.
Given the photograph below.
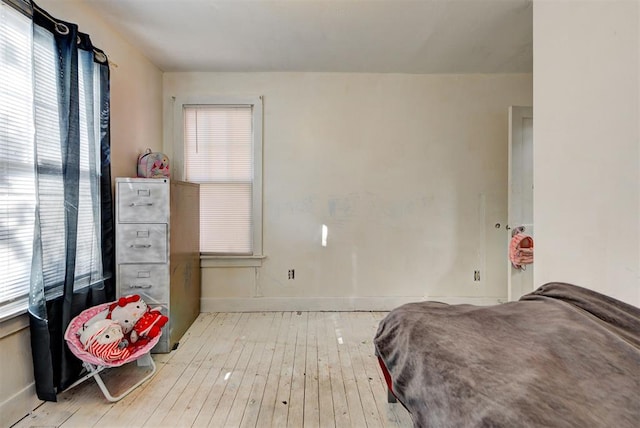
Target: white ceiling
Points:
(384, 36)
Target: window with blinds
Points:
(220, 145)
(28, 90)
(17, 174)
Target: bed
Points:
(562, 356)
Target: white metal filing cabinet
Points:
(157, 249)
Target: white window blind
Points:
(88, 253)
(17, 191)
(49, 156)
(219, 155)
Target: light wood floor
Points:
(265, 369)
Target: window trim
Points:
(177, 167)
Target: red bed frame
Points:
(391, 397)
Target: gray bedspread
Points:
(562, 356)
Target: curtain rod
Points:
(26, 7)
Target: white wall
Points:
(17, 391)
(587, 145)
(136, 87)
(408, 172)
(136, 123)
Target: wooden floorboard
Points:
(311, 391)
(354, 403)
(295, 417)
(260, 369)
(325, 397)
(216, 394)
(338, 390)
(259, 384)
(269, 398)
(242, 398)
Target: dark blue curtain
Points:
(74, 210)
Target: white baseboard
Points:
(341, 304)
(18, 405)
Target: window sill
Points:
(13, 324)
(14, 309)
(231, 261)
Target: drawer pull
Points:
(141, 204)
(140, 286)
(140, 245)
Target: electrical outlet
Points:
(291, 274)
(476, 275)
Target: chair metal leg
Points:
(91, 372)
(94, 372)
(107, 393)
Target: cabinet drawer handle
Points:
(140, 286)
(141, 204)
(140, 245)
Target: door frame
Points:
(516, 116)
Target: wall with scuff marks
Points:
(408, 172)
